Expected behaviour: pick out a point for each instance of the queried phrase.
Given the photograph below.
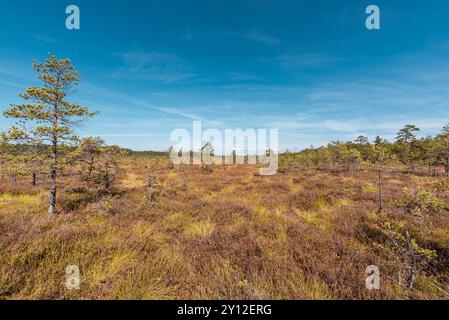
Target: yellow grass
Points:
(229, 234)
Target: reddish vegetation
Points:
(228, 234)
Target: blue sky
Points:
(308, 68)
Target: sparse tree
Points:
(31, 160)
(152, 183)
(408, 146)
(362, 144)
(406, 249)
(432, 153)
(381, 157)
(354, 157)
(444, 136)
(52, 115)
(88, 152)
(109, 166)
(406, 134)
(4, 148)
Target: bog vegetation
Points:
(140, 227)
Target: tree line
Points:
(407, 151)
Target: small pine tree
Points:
(152, 183)
(88, 151)
(406, 249)
(445, 142)
(406, 140)
(109, 166)
(53, 116)
(380, 157)
(4, 148)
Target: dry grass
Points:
(229, 234)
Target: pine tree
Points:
(4, 147)
(445, 142)
(88, 152)
(381, 157)
(52, 116)
(406, 134)
(409, 148)
(109, 166)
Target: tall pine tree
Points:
(51, 116)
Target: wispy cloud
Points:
(128, 99)
(309, 59)
(11, 84)
(256, 36)
(18, 74)
(44, 38)
(153, 66)
(170, 110)
(240, 76)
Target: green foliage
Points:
(109, 166)
(53, 116)
(369, 188)
(421, 203)
(47, 117)
(406, 134)
(441, 186)
(406, 249)
(351, 157)
(88, 151)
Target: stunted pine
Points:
(408, 145)
(152, 182)
(47, 116)
(4, 147)
(88, 151)
(445, 141)
(109, 166)
(407, 250)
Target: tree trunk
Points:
(446, 167)
(2, 165)
(107, 182)
(380, 200)
(54, 164)
(91, 167)
(52, 206)
(411, 279)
